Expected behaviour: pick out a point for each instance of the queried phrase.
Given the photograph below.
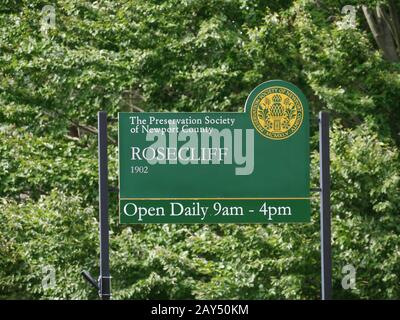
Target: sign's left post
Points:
(104, 278)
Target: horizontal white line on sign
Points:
(307, 198)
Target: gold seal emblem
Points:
(277, 113)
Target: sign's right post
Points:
(326, 253)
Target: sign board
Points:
(239, 167)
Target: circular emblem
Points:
(277, 113)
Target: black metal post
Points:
(104, 278)
(326, 254)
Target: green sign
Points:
(247, 167)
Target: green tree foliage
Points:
(365, 210)
(56, 231)
(189, 56)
